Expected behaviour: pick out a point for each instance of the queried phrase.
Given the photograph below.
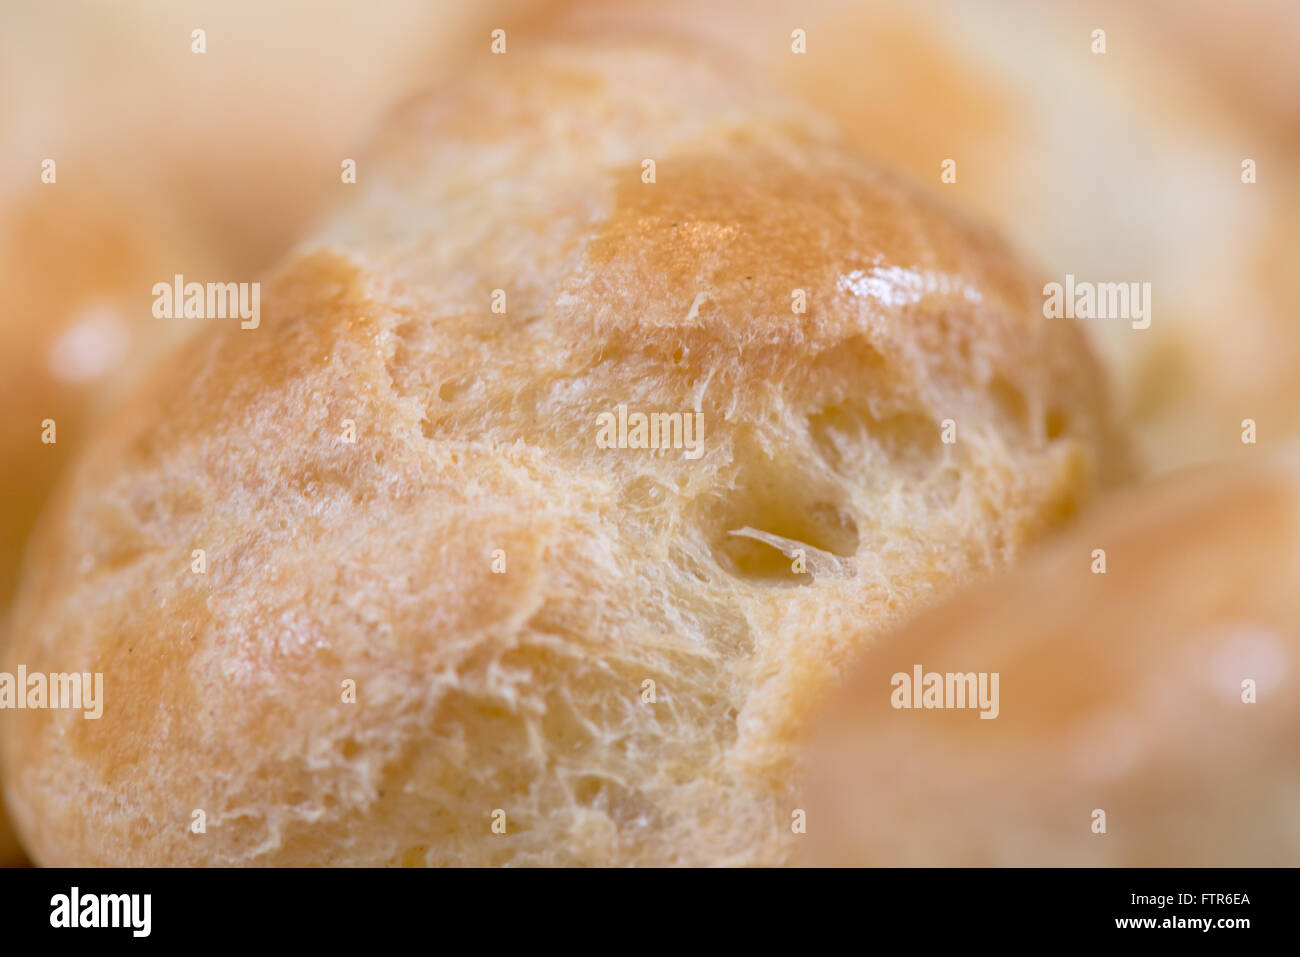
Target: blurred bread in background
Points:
(1244, 52)
(1123, 692)
(77, 266)
(244, 140)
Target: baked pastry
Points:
(437, 619)
(269, 78)
(1190, 87)
(80, 255)
(76, 267)
(1145, 717)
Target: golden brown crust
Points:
(78, 256)
(1192, 85)
(1120, 691)
(476, 431)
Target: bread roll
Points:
(205, 164)
(1123, 166)
(79, 255)
(1152, 699)
(606, 653)
(76, 269)
(247, 135)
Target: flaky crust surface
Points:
(372, 562)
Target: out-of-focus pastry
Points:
(1142, 713)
